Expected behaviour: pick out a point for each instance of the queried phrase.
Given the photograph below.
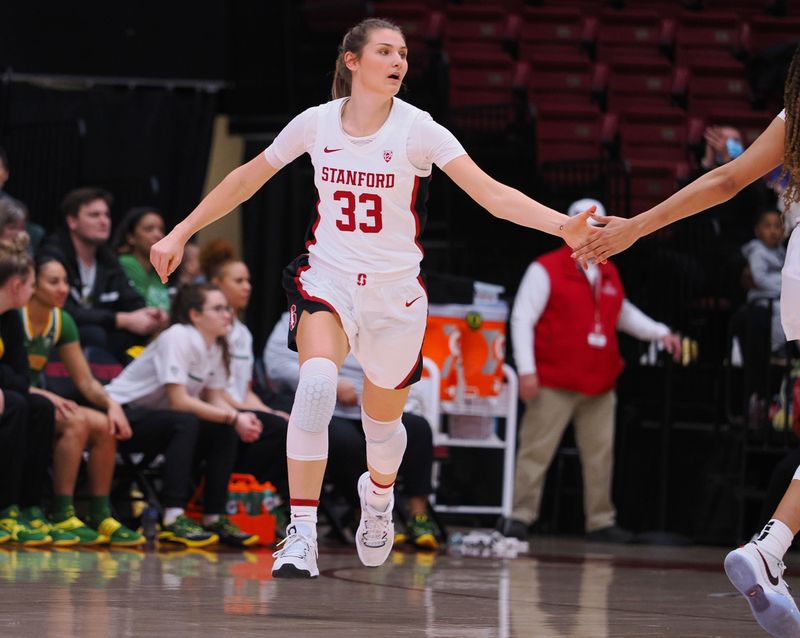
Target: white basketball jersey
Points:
(371, 207)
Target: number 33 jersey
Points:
(372, 191)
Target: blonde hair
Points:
(353, 42)
(14, 258)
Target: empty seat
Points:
(654, 133)
(554, 31)
(632, 34)
(743, 8)
(480, 31)
(565, 80)
(652, 181)
(567, 132)
(707, 36)
(765, 31)
(422, 29)
(645, 82)
(717, 86)
(485, 81)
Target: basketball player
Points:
(755, 569)
(358, 287)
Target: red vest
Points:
(564, 358)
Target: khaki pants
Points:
(546, 417)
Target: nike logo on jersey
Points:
(330, 150)
(772, 579)
(409, 303)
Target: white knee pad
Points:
(386, 443)
(796, 476)
(314, 401)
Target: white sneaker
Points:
(375, 534)
(759, 578)
(297, 557)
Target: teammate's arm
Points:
(508, 203)
(237, 187)
(713, 188)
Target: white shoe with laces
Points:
(375, 534)
(297, 557)
(759, 578)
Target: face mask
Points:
(734, 146)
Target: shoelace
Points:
(302, 544)
(376, 525)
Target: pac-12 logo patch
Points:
(387, 156)
(292, 317)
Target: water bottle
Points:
(149, 523)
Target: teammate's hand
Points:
(577, 230)
(165, 255)
(616, 235)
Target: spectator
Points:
(266, 457)
(13, 215)
(137, 232)
(765, 256)
(347, 440)
(108, 311)
(563, 329)
(27, 422)
(173, 396)
(35, 232)
(47, 327)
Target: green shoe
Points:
(59, 537)
(4, 536)
(117, 534)
(422, 532)
(185, 531)
(230, 534)
(86, 535)
(21, 532)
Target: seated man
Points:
(108, 311)
(347, 463)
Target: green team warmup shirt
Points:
(147, 284)
(60, 330)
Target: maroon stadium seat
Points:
(717, 86)
(750, 123)
(485, 81)
(765, 31)
(654, 133)
(566, 132)
(707, 36)
(639, 34)
(554, 31)
(652, 181)
(556, 79)
(645, 82)
(479, 31)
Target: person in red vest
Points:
(564, 332)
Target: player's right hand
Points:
(528, 386)
(165, 255)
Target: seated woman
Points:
(26, 421)
(174, 397)
(141, 227)
(232, 276)
(47, 326)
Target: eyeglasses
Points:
(220, 309)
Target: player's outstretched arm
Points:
(713, 188)
(237, 187)
(508, 203)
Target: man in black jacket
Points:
(108, 311)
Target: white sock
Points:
(171, 513)
(775, 539)
(210, 519)
(379, 496)
(304, 518)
